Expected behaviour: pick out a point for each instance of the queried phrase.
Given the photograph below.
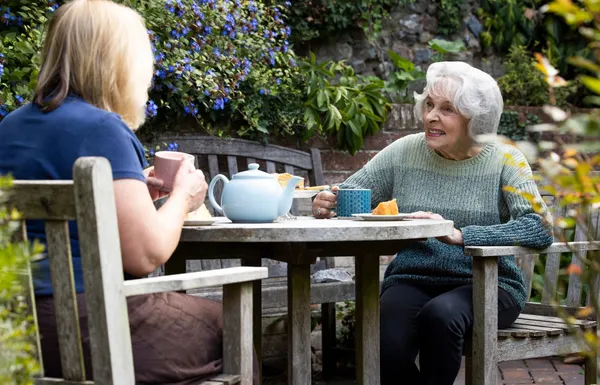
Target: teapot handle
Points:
(211, 192)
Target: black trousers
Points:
(432, 321)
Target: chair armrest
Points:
(499, 251)
(195, 280)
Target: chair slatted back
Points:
(88, 199)
(227, 156)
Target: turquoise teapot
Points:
(253, 196)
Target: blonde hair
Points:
(474, 93)
(101, 52)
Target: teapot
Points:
(253, 196)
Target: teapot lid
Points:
(252, 173)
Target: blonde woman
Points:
(97, 66)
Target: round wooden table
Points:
(298, 242)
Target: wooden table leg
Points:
(367, 320)
(299, 351)
(256, 314)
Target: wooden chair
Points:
(89, 199)
(538, 332)
(228, 156)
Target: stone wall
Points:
(406, 31)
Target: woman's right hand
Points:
(191, 184)
(323, 204)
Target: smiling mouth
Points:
(435, 133)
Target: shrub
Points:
(17, 357)
(523, 85)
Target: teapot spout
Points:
(285, 203)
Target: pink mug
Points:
(166, 165)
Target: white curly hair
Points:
(474, 93)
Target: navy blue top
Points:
(45, 145)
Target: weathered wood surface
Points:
(63, 284)
(195, 280)
(299, 348)
(306, 230)
(559, 247)
(520, 349)
(485, 309)
(227, 379)
(44, 199)
(58, 381)
(207, 145)
(237, 331)
(367, 320)
(110, 338)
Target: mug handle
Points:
(211, 192)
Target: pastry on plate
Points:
(285, 177)
(386, 208)
(199, 214)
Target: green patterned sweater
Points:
(468, 192)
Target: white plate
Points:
(371, 217)
(199, 222)
(305, 193)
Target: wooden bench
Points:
(228, 156)
(89, 199)
(538, 332)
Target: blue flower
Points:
(151, 109)
(19, 99)
(207, 92)
(278, 81)
(151, 152)
(216, 52)
(207, 30)
(1, 70)
(287, 4)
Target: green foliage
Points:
(312, 19)
(17, 332)
(514, 128)
(506, 23)
(523, 85)
(450, 15)
(343, 104)
(346, 314)
(21, 37)
(444, 47)
(396, 85)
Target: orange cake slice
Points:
(386, 208)
(284, 178)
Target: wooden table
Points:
(299, 242)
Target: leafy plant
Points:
(312, 19)
(507, 23)
(568, 177)
(523, 85)
(17, 332)
(450, 15)
(396, 85)
(343, 104)
(445, 47)
(512, 127)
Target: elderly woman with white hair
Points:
(448, 172)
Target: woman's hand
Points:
(455, 239)
(154, 184)
(323, 204)
(190, 183)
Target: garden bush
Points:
(224, 67)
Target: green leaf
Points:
(591, 83)
(321, 98)
(445, 46)
(355, 126)
(400, 61)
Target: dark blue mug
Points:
(353, 201)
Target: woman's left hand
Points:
(455, 239)
(154, 184)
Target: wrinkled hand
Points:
(323, 204)
(455, 239)
(191, 184)
(154, 184)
